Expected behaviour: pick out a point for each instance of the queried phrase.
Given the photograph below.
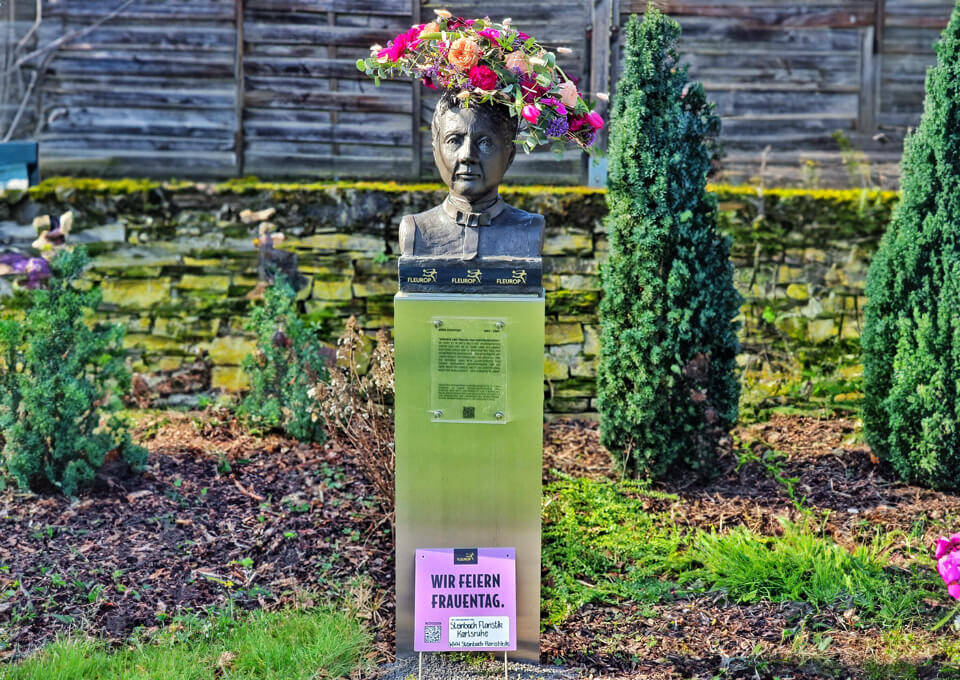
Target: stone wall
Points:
(175, 262)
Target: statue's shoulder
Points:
(409, 224)
(523, 218)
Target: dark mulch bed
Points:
(223, 516)
(707, 638)
(218, 517)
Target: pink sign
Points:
(466, 599)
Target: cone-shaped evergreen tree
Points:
(911, 338)
(667, 381)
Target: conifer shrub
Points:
(287, 363)
(667, 381)
(911, 335)
(59, 377)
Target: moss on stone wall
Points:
(176, 259)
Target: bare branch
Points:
(69, 37)
(26, 96)
(34, 28)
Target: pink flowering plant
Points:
(487, 62)
(948, 566)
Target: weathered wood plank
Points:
(165, 122)
(145, 10)
(395, 134)
(701, 32)
(268, 96)
(392, 164)
(739, 103)
(122, 163)
(258, 32)
(63, 143)
(141, 99)
(813, 15)
(301, 67)
(189, 36)
(777, 67)
(218, 66)
(389, 7)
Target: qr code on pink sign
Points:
(431, 632)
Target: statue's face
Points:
(471, 154)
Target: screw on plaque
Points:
(438, 413)
(498, 415)
(437, 323)
(500, 325)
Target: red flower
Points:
(483, 77)
(532, 91)
(578, 122)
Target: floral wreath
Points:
(489, 62)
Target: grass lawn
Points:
(278, 645)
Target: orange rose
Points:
(432, 27)
(464, 54)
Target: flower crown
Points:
(487, 62)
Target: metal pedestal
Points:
(469, 439)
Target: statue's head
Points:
(473, 147)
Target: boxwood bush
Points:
(911, 336)
(667, 382)
(59, 377)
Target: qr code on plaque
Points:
(431, 632)
(469, 412)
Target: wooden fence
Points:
(217, 88)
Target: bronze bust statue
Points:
(473, 231)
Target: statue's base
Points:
(501, 275)
(469, 440)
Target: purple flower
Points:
(36, 268)
(557, 127)
(13, 263)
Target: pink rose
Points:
(577, 122)
(531, 114)
(595, 120)
(568, 93)
(490, 34)
(483, 77)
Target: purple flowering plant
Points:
(33, 271)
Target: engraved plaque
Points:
(468, 370)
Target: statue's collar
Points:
(464, 215)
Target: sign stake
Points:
(420, 668)
(505, 675)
